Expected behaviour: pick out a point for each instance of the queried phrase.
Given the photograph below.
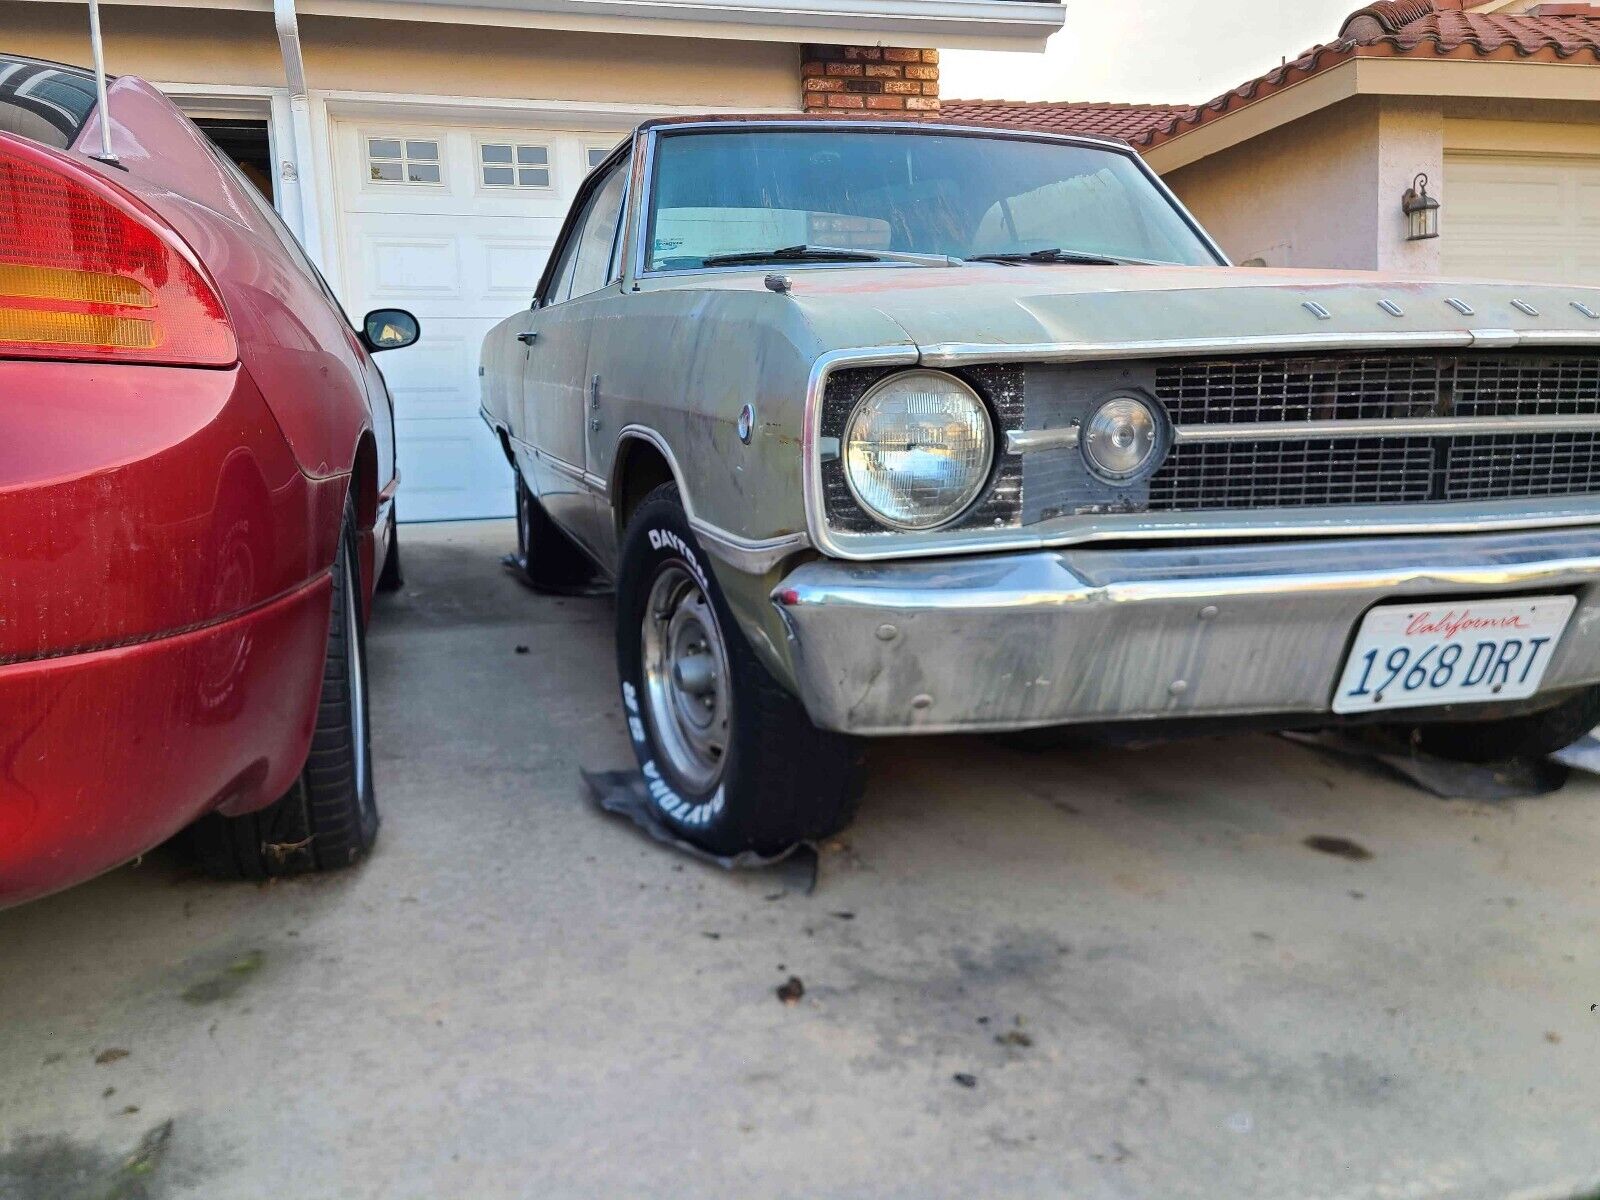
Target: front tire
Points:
(731, 759)
(546, 557)
(329, 818)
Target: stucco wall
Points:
(1323, 191)
(191, 46)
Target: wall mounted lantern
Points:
(1422, 211)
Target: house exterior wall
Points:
(1325, 190)
(1295, 196)
(182, 45)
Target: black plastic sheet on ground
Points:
(1514, 779)
(624, 794)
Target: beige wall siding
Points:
(1410, 141)
(191, 46)
(1324, 191)
(1299, 195)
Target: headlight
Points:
(917, 449)
(1120, 438)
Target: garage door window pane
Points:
(403, 160)
(597, 155)
(531, 170)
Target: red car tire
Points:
(329, 818)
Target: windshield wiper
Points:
(827, 254)
(1053, 256)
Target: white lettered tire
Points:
(730, 757)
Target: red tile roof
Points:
(1415, 28)
(1103, 120)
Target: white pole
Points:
(98, 46)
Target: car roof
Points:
(907, 123)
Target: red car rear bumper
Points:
(106, 754)
(164, 602)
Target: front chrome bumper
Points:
(1023, 640)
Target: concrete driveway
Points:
(1109, 974)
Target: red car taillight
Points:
(88, 273)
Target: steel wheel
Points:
(687, 695)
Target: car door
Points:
(555, 384)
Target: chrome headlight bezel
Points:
(967, 497)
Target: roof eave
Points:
(953, 24)
(1369, 70)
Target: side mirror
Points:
(389, 329)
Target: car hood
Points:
(1067, 311)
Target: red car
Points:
(196, 498)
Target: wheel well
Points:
(641, 468)
(364, 482)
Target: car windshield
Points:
(744, 193)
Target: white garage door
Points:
(455, 224)
(1535, 218)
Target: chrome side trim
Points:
(956, 354)
(560, 465)
(755, 556)
(1030, 441)
(1288, 431)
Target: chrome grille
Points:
(1230, 391)
(1505, 466)
(1289, 474)
(1253, 471)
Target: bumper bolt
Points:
(1178, 687)
(922, 701)
(1208, 612)
(887, 633)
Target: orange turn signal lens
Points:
(45, 328)
(23, 282)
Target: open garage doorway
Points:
(248, 144)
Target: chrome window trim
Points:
(652, 135)
(1374, 519)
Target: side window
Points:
(598, 235)
(586, 254)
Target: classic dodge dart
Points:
(890, 429)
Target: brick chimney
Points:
(864, 79)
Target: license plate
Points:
(1409, 655)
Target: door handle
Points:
(527, 339)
